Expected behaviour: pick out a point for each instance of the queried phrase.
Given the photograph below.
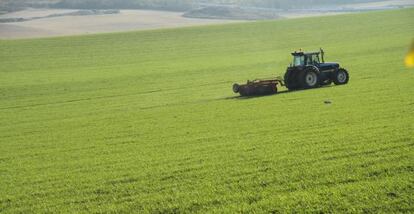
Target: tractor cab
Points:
(313, 59)
(306, 58)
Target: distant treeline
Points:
(173, 5)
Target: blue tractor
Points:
(308, 70)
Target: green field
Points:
(146, 121)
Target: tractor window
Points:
(298, 60)
(315, 59)
(309, 60)
(312, 59)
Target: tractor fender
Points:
(316, 69)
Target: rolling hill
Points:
(177, 5)
(146, 121)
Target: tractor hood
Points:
(329, 65)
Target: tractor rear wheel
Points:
(341, 77)
(291, 79)
(309, 78)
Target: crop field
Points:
(146, 121)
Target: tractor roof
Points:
(301, 53)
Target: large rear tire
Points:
(291, 79)
(309, 78)
(341, 77)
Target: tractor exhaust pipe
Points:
(322, 55)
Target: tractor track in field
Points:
(178, 104)
(122, 95)
(77, 100)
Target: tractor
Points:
(308, 70)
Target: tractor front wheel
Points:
(341, 77)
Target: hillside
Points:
(176, 5)
(146, 121)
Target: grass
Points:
(147, 122)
